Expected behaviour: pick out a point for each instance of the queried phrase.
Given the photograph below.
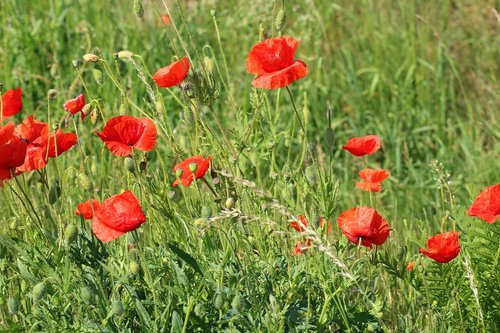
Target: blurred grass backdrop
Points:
(420, 74)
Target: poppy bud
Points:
(229, 203)
(94, 116)
(52, 93)
(125, 54)
(159, 106)
(330, 137)
(90, 57)
(206, 212)
(13, 306)
(99, 79)
(134, 267)
(193, 167)
(39, 291)
(85, 182)
(178, 173)
(209, 64)
(86, 295)
(311, 177)
(70, 233)
(24, 286)
(213, 12)
(236, 303)
(401, 252)
(87, 108)
(280, 19)
(139, 8)
(129, 164)
(117, 308)
(219, 300)
(76, 63)
(54, 192)
(143, 164)
(199, 309)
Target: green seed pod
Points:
(139, 8)
(193, 167)
(330, 137)
(280, 19)
(39, 291)
(13, 306)
(178, 173)
(54, 192)
(87, 108)
(98, 77)
(134, 267)
(85, 182)
(86, 295)
(401, 252)
(206, 212)
(70, 233)
(52, 93)
(117, 308)
(209, 64)
(315, 220)
(311, 176)
(129, 164)
(213, 12)
(229, 203)
(219, 301)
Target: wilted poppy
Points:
(12, 103)
(191, 168)
(166, 19)
(122, 133)
(75, 105)
(363, 145)
(117, 215)
(442, 247)
(486, 206)
(303, 219)
(372, 179)
(12, 151)
(365, 224)
(87, 209)
(272, 61)
(173, 74)
(301, 247)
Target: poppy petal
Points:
(271, 55)
(363, 145)
(374, 176)
(12, 103)
(282, 78)
(75, 105)
(364, 223)
(87, 209)
(486, 206)
(369, 186)
(172, 74)
(442, 247)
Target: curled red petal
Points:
(172, 74)
(75, 105)
(442, 247)
(374, 176)
(87, 209)
(281, 78)
(363, 145)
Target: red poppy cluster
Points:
(113, 217)
(272, 61)
(190, 169)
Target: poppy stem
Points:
(295, 108)
(210, 187)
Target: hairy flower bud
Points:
(90, 57)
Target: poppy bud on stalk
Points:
(76, 63)
(52, 93)
(134, 267)
(330, 137)
(178, 173)
(117, 308)
(85, 182)
(311, 176)
(99, 79)
(229, 203)
(94, 116)
(90, 57)
(280, 19)
(193, 167)
(125, 54)
(139, 8)
(129, 164)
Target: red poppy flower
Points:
(75, 105)
(363, 145)
(272, 61)
(165, 19)
(30, 130)
(12, 152)
(410, 266)
(56, 143)
(117, 215)
(124, 132)
(12, 103)
(196, 163)
(372, 179)
(173, 74)
(442, 247)
(302, 218)
(301, 247)
(364, 223)
(87, 209)
(487, 204)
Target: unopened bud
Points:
(134, 267)
(280, 19)
(330, 137)
(87, 108)
(117, 308)
(311, 177)
(125, 54)
(229, 203)
(139, 8)
(94, 116)
(213, 12)
(193, 167)
(129, 164)
(209, 64)
(13, 306)
(85, 182)
(178, 173)
(90, 57)
(98, 77)
(52, 93)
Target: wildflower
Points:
(302, 223)
(12, 103)
(363, 145)
(121, 133)
(364, 223)
(442, 247)
(410, 266)
(12, 151)
(166, 19)
(87, 209)
(56, 143)
(75, 105)
(372, 179)
(301, 247)
(183, 171)
(117, 215)
(173, 74)
(486, 206)
(272, 61)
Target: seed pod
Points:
(178, 173)
(129, 164)
(98, 77)
(229, 203)
(213, 12)
(117, 308)
(70, 233)
(39, 291)
(206, 212)
(311, 176)
(193, 167)
(134, 267)
(85, 182)
(90, 57)
(219, 300)
(125, 54)
(280, 19)
(139, 8)
(54, 192)
(239, 303)
(94, 116)
(13, 306)
(330, 137)
(52, 93)
(86, 295)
